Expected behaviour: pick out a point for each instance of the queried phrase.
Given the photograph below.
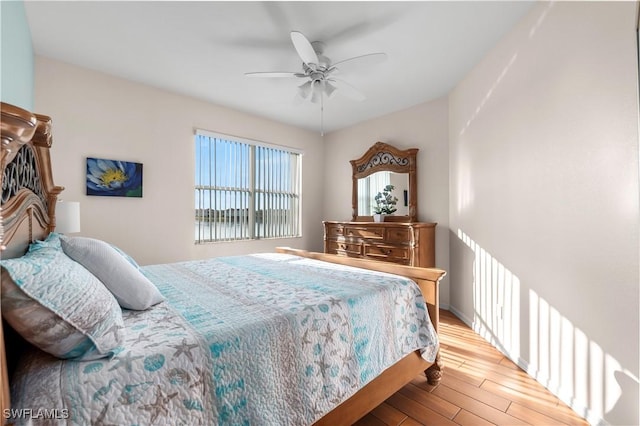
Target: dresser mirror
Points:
(382, 165)
(369, 186)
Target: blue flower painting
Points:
(114, 178)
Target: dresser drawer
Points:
(340, 247)
(396, 260)
(388, 251)
(361, 232)
(399, 235)
(334, 231)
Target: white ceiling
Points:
(202, 49)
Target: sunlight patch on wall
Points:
(540, 20)
(574, 367)
(532, 32)
(488, 95)
(465, 187)
(496, 300)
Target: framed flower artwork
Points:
(113, 178)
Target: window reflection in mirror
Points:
(369, 186)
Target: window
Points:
(368, 188)
(245, 190)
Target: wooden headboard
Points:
(29, 196)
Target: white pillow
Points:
(130, 287)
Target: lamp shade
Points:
(67, 217)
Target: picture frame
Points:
(113, 178)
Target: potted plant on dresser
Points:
(385, 203)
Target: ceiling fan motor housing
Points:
(321, 73)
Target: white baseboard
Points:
(462, 316)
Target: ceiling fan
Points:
(318, 71)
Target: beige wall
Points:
(544, 202)
(423, 126)
(106, 117)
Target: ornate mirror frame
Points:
(384, 157)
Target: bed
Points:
(291, 337)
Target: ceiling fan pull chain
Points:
(322, 114)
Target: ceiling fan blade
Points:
(361, 62)
(348, 90)
(276, 74)
(304, 49)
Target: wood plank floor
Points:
(480, 386)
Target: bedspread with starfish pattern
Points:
(267, 339)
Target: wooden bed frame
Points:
(27, 213)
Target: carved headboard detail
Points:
(28, 193)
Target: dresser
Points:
(410, 244)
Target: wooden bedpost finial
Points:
(17, 127)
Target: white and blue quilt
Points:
(266, 339)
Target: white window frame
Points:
(263, 186)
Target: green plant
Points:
(385, 202)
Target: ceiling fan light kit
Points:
(318, 70)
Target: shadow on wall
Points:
(560, 356)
